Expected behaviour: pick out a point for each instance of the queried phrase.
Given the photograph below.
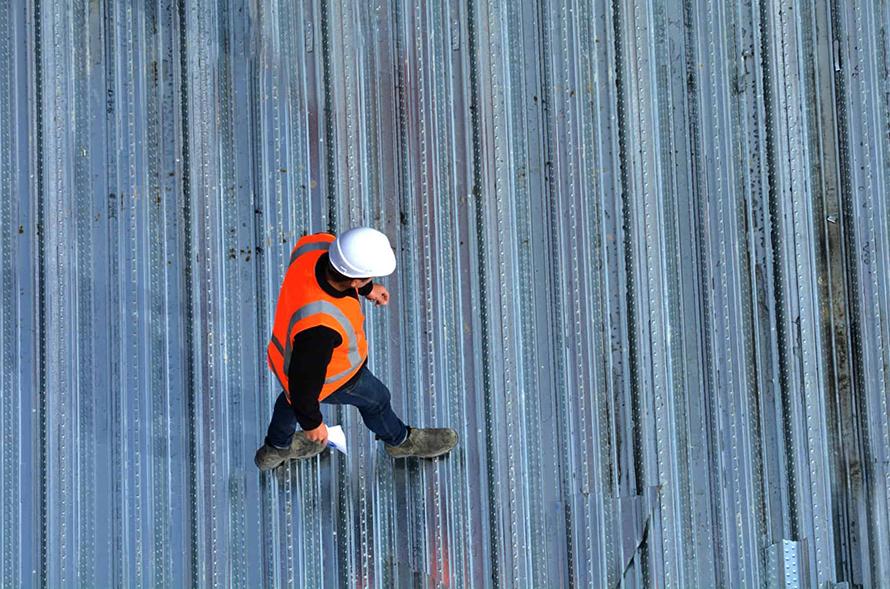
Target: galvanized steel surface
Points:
(642, 269)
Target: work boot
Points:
(269, 457)
(424, 443)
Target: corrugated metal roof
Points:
(643, 269)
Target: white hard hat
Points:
(362, 252)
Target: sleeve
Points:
(313, 349)
(366, 289)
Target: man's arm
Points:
(313, 349)
(366, 289)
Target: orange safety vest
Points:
(302, 304)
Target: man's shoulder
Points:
(315, 243)
(320, 236)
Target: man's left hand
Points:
(378, 295)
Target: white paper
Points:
(337, 438)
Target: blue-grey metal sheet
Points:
(642, 269)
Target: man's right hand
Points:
(318, 435)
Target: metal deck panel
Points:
(642, 269)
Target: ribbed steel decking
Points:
(643, 270)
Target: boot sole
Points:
(285, 459)
(428, 455)
(423, 456)
(268, 468)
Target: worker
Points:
(319, 353)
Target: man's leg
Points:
(283, 424)
(373, 401)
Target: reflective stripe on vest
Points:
(325, 308)
(309, 247)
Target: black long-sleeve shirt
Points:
(313, 349)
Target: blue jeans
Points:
(367, 393)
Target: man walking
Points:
(319, 353)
